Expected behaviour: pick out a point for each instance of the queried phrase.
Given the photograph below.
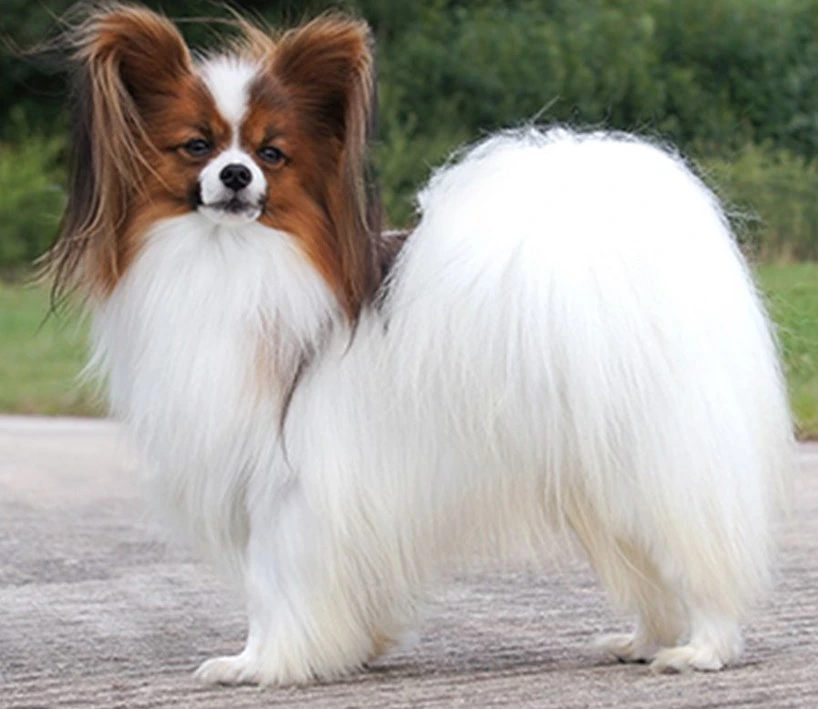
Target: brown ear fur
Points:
(125, 58)
(327, 68)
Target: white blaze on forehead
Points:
(228, 80)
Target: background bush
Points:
(31, 196)
(732, 83)
(778, 184)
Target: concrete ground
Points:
(95, 611)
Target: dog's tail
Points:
(595, 332)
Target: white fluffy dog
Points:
(569, 344)
(571, 341)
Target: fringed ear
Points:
(127, 59)
(327, 68)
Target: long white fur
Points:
(571, 344)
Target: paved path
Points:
(95, 611)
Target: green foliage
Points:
(32, 197)
(773, 194)
(404, 160)
(716, 79)
(739, 71)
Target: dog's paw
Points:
(688, 657)
(231, 669)
(627, 647)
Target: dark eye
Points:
(198, 147)
(271, 155)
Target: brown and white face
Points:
(233, 156)
(272, 131)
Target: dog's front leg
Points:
(307, 617)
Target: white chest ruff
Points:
(196, 343)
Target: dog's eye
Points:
(271, 155)
(198, 147)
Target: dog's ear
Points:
(132, 54)
(328, 64)
(327, 68)
(126, 61)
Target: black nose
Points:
(236, 176)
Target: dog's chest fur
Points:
(200, 342)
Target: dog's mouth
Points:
(233, 210)
(234, 205)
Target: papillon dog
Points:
(567, 350)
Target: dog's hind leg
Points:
(629, 574)
(688, 606)
(714, 637)
(635, 581)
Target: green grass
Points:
(40, 359)
(792, 297)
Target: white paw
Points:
(230, 669)
(627, 647)
(688, 657)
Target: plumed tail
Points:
(595, 332)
